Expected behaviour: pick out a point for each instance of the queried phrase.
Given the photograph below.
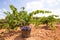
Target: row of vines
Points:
(21, 18)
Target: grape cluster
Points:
(25, 28)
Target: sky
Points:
(31, 5)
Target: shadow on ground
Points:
(19, 38)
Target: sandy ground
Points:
(36, 34)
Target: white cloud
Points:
(52, 2)
(35, 5)
(2, 16)
(4, 10)
(56, 12)
(0, 10)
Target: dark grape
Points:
(25, 28)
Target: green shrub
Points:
(52, 27)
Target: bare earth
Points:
(36, 34)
